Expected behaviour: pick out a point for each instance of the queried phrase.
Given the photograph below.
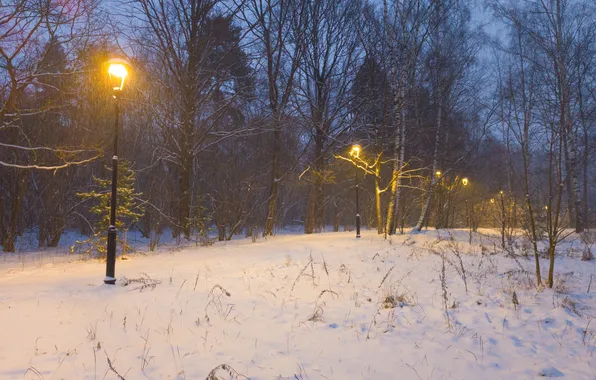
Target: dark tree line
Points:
(239, 116)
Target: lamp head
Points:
(118, 71)
(355, 152)
(438, 173)
(464, 181)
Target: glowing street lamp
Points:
(355, 152)
(118, 70)
(464, 182)
(438, 173)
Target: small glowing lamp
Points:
(118, 70)
(355, 152)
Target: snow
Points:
(323, 306)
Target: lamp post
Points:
(117, 72)
(503, 218)
(465, 182)
(355, 152)
(439, 197)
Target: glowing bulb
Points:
(118, 70)
(464, 181)
(355, 152)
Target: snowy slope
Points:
(323, 306)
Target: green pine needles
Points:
(128, 210)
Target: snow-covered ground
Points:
(323, 306)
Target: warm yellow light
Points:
(118, 71)
(355, 152)
(492, 200)
(438, 173)
(501, 192)
(546, 207)
(464, 181)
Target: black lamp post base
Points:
(111, 257)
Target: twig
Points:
(302, 273)
(120, 377)
(177, 294)
(386, 275)
(586, 331)
(196, 281)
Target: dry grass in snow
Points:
(328, 306)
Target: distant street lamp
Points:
(355, 152)
(469, 212)
(117, 71)
(438, 173)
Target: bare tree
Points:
(405, 33)
(277, 28)
(195, 55)
(451, 54)
(326, 75)
(39, 42)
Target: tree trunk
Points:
(398, 76)
(270, 223)
(314, 217)
(2, 227)
(586, 162)
(575, 188)
(41, 235)
(18, 194)
(586, 146)
(186, 163)
(183, 209)
(551, 265)
(402, 154)
(424, 213)
(399, 154)
(378, 197)
(503, 221)
(54, 238)
(336, 218)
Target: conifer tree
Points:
(128, 210)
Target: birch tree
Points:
(451, 54)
